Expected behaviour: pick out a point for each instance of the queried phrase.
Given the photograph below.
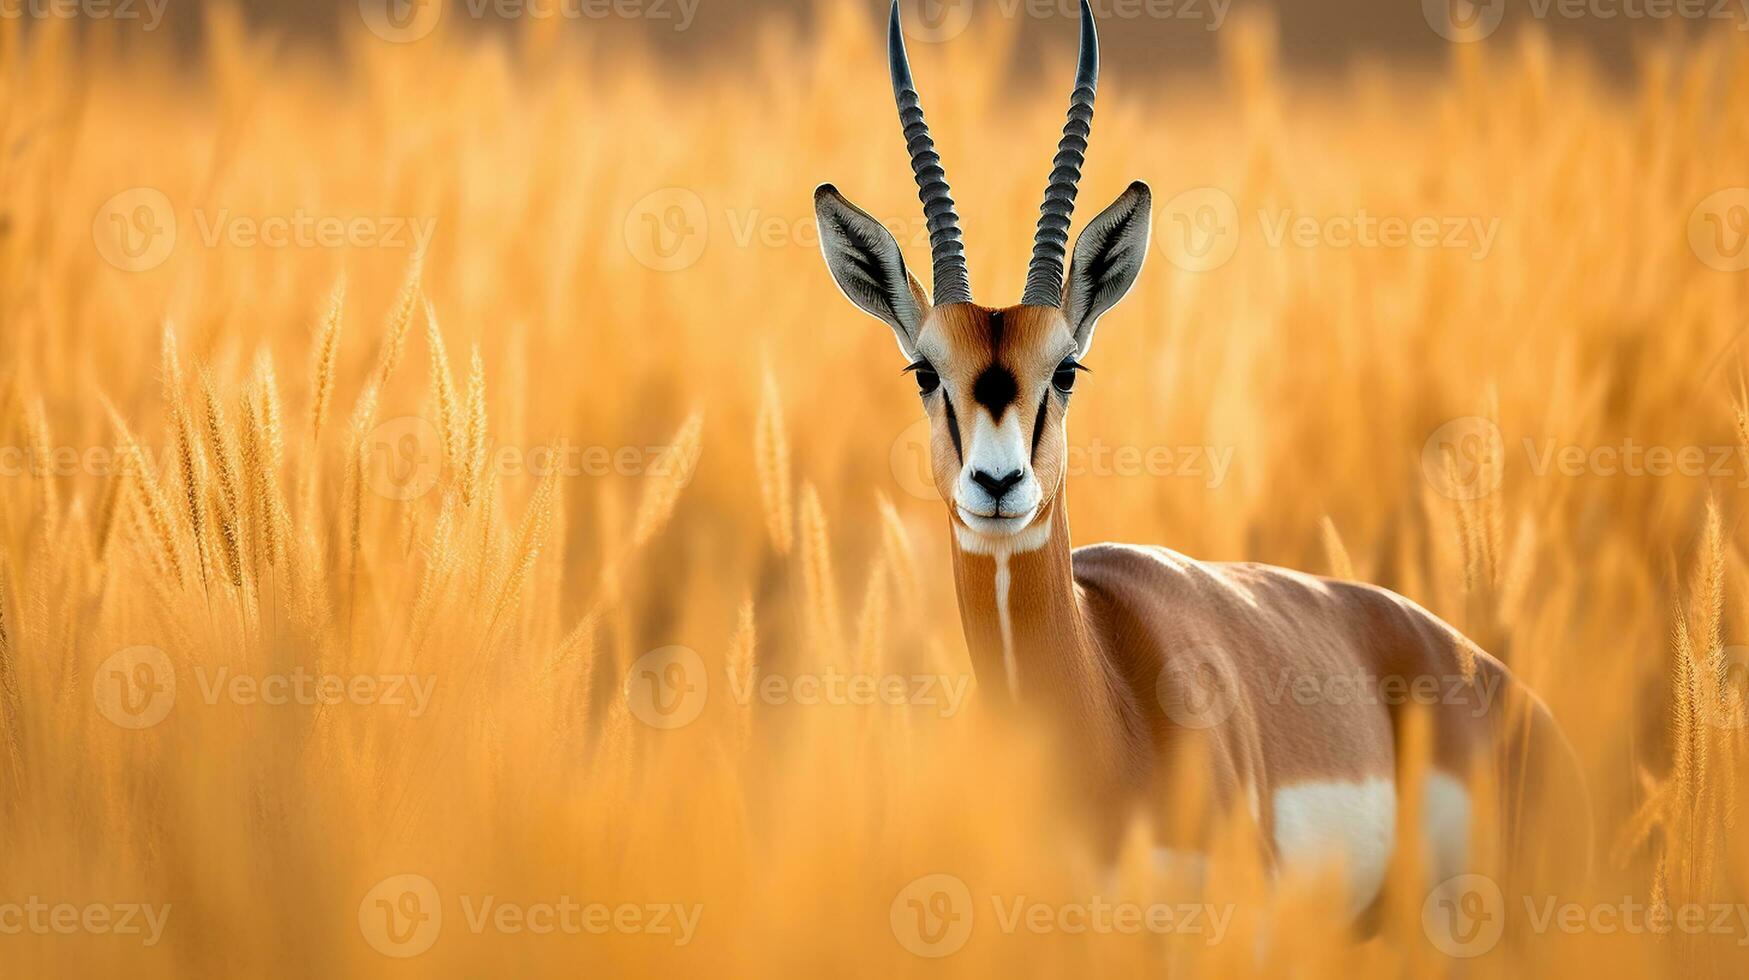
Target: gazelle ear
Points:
(866, 263)
(1108, 257)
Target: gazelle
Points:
(1136, 653)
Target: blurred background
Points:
(295, 299)
(1173, 37)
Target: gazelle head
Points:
(994, 380)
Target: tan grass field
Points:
(234, 463)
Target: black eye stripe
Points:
(953, 429)
(1038, 425)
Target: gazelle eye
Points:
(1064, 378)
(927, 379)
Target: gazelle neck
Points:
(1028, 630)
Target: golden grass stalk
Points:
(1408, 879)
(151, 497)
(222, 447)
(1518, 573)
(1709, 589)
(550, 584)
(574, 659)
(262, 427)
(1700, 798)
(357, 467)
(400, 316)
(11, 701)
(476, 427)
(742, 664)
(114, 488)
(253, 462)
(669, 475)
(871, 621)
(441, 558)
(1689, 728)
(143, 541)
(192, 464)
(897, 554)
(1740, 410)
(5, 633)
(409, 531)
(327, 358)
(530, 538)
(449, 423)
(771, 456)
(272, 415)
(42, 452)
(170, 367)
(1336, 553)
(486, 559)
(820, 594)
(1469, 530)
(610, 528)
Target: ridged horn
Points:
(946, 245)
(1044, 275)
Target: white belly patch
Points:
(1351, 825)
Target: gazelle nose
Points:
(995, 486)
